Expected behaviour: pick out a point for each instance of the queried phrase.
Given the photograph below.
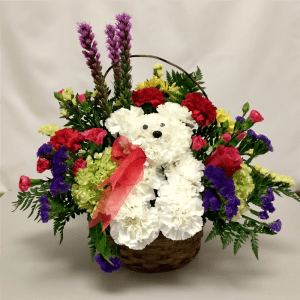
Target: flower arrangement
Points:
(161, 158)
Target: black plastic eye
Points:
(145, 126)
(162, 124)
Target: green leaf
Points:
(236, 245)
(100, 240)
(58, 96)
(226, 239)
(254, 243)
(212, 234)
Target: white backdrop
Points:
(248, 51)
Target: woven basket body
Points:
(162, 255)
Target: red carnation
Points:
(66, 137)
(79, 164)
(148, 95)
(203, 111)
(42, 165)
(95, 135)
(198, 142)
(227, 158)
(241, 135)
(24, 183)
(255, 116)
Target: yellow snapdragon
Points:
(222, 117)
(49, 129)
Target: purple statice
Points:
(240, 119)
(267, 206)
(266, 141)
(228, 189)
(231, 211)
(58, 184)
(45, 149)
(105, 266)
(59, 169)
(276, 226)
(215, 175)
(59, 156)
(252, 134)
(45, 208)
(212, 200)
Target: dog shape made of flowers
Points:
(170, 169)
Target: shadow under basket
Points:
(162, 255)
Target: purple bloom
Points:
(275, 226)
(112, 45)
(86, 40)
(215, 175)
(215, 203)
(58, 170)
(240, 119)
(252, 134)
(231, 211)
(123, 29)
(45, 149)
(58, 184)
(266, 141)
(263, 215)
(105, 266)
(210, 199)
(45, 208)
(228, 188)
(59, 156)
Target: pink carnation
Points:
(24, 183)
(60, 92)
(198, 142)
(81, 98)
(255, 116)
(95, 135)
(241, 136)
(226, 137)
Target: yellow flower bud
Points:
(64, 112)
(257, 167)
(94, 93)
(74, 101)
(49, 129)
(264, 171)
(272, 174)
(249, 152)
(68, 94)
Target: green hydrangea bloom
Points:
(244, 186)
(85, 191)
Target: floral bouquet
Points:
(150, 166)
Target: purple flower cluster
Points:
(123, 36)
(45, 149)
(91, 51)
(45, 208)
(226, 189)
(106, 266)
(267, 204)
(57, 170)
(275, 226)
(240, 119)
(112, 45)
(262, 137)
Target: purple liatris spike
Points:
(112, 45)
(86, 40)
(106, 266)
(123, 31)
(45, 208)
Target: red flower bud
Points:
(226, 137)
(241, 136)
(24, 183)
(60, 92)
(255, 116)
(42, 165)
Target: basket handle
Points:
(159, 58)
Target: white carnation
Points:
(136, 225)
(180, 217)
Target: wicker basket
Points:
(162, 255)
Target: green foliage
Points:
(254, 243)
(185, 84)
(286, 191)
(31, 198)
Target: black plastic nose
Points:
(157, 134)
